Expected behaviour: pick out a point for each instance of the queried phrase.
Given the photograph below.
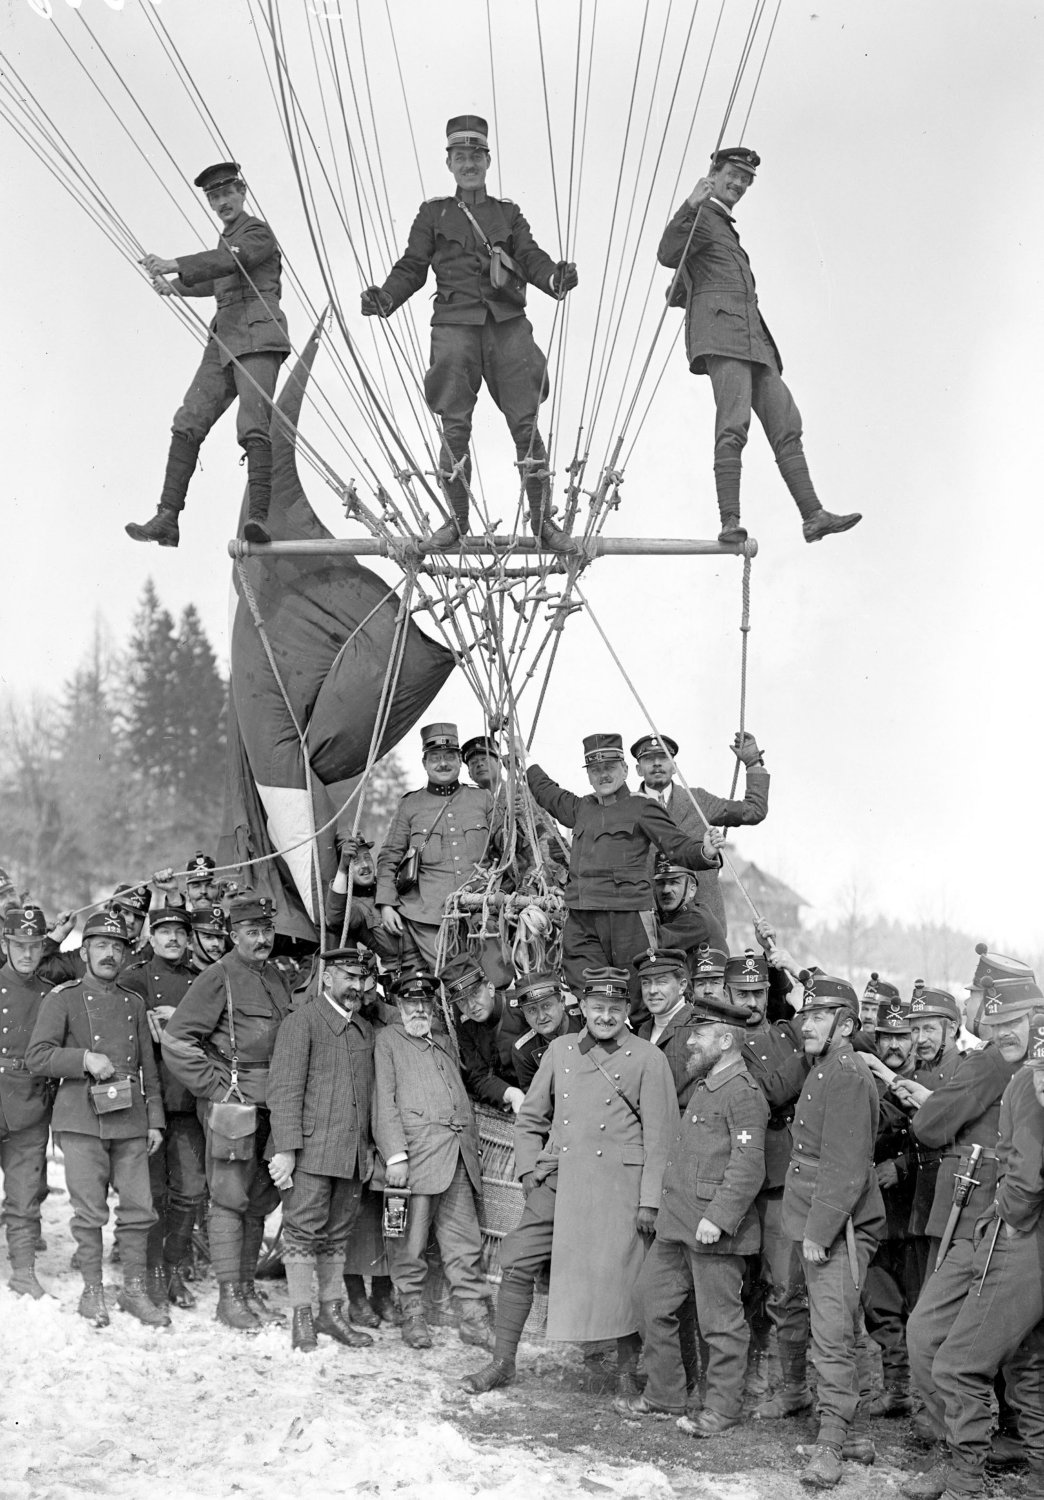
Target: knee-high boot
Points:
(259, 489)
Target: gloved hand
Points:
(746, 749)
(563, 278)
(375, 303)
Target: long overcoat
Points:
(574, 1123)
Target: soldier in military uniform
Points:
(654, 756)
(706, 1227)
(960, 1114)
(364, 921)
(726, 338)
(682, 919)
(609, 897)
(591, 1142)
(486, 1034)
(25, 1101)
(320, 1088)
(832, 1208)
(245, 994)
(877, 992)
(92, 1032)
(543, 1002)
(479, 331)
(248, 342)
(133, 902)
(453, 828)
(209, 940)
(893, 1281)
(201, 889)
(663, 975)
(774, 1055)
(176, 1171)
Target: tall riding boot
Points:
(259, 489)
(155, 1275)
(793, 1397)
(181, 465)
(727, 472)
(180, 1219)
(816, 522)
(514, 1301)
(628, 1348)
(550, 536)
(455, 488)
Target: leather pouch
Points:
(407, 872)
(231, 1128)
(106, 1098)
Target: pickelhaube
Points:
(660, 961)
(599, 747)
(709, 963)
(749, 972)
(469, 131)
(743, 156)
(26, 922)
(654, 744)
(607, 983)
(106, 924)
(217, 175)
(530, 989)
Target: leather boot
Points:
(794, 1397)
(232, 1310)
(551, 537)
(257, 1302)
(92, 1305)
(156, 1285)
(823, 1469)
(332, 1322)
(727, 472)
(382, 1300)
(415, 1331)
(451, 531)
(928, 1485)
(756, 1385)
(894, 1401)
(497, 1373)
(134, 1299)
(23, 1282)
(302, 1332)
(823, 523)
(359, 1310)
(181, 465)
(259, 490)
(177, 1292)
(474, 1327)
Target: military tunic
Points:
(581, 1138)
(932, 1077)
(528, 1051)
(714, 1170)
(487, 1058)
(673, 1042)
(25, 1113)
(893, 1279)
(831, 1181)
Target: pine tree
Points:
(90, 776)
(201, 698)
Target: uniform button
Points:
(818, 1075)
(598, 1153)
(565, 1122)
(565, 1148)
(566, 1096)
(601, 1127)
(608, 1101)
(566, 1070)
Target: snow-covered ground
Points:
(195, 1412)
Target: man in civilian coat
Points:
(244, 992)
(706, 1227)
(248, 342)
(726, 339)
(591, 1143)
(663, 974)
(94, 1031)
(25, 1101)
(654, 756)
(609, 897)
(320, 1089)
(832, 1207)
(427, 1139)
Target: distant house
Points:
(774, 899)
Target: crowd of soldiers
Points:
(716, 1152)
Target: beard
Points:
(699, 1063)
(417, 1026)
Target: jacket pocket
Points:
(633, 1156)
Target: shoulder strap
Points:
(632, 1107)
(475, 223)
(233, 1083)
(436, 823)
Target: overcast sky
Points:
(895, 230)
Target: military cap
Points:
(743, 156)
(439, 737)
(827, 992)
(530, 989)
(709, 963)
(469, 131)
(929, 1004)
(997, 966)
(199, 866)
(892, 1017)
(217, 175)
(26, 922)
(707, 1012)
(461, 975)
(660, 961)
(607, 983)
(136, 898)
(751, 972)
(106, 924)
(250, 907)
(170, 916)
(599, 747)
(353, 960)
(414, 984)
(1010, 1000)
(479, 744)
(654, 744)
(881, 989)
(210, 919)
(665, 870)
(1035, 1053)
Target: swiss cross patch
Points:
(744, 1137)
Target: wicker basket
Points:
(502, 1199)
